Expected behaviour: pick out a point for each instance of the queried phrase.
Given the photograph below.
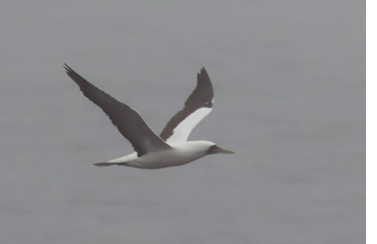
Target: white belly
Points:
(179, 155)
(167, 158)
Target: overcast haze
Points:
(289, 81)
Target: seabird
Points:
(171, 147)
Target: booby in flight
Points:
(169, 149)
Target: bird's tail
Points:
(103, 164)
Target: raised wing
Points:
(128, 121)
(197, 107)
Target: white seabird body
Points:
(171, 147)
(180, 154)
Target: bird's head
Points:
(205, 147)
(214, 149)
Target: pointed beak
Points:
(221, 150)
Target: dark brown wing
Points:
(201, 97)
(128, 121)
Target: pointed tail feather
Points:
(109, 164)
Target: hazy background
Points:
(289, 86)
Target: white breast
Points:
(182, 153)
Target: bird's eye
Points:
(211, 149)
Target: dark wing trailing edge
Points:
(201, 97)
(128, 121)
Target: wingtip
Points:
(203, 74)
(67, 68)
(203, 71)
